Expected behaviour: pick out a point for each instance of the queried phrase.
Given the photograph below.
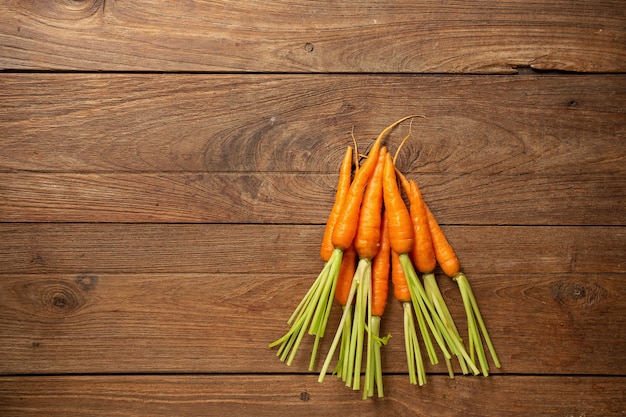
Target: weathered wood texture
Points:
(254, 395)
(92, 322)
(488, 125)
(166, 169)
(290, 249)
(485, 36)
(153, 148)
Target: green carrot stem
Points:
(451, 341)
(310, 296)
(342, 364)
(434, 294)
(363, 276)
(411, 346)
(420, 300)
(324, 305)
(325, 299)
(475, 321)
(370, 364)
(378, 366)
(338, 335)
(312, 310)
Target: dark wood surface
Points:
(166, 169)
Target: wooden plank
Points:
(546, 323)
(212, 248)
(297, 36)
(550, 124)
(532, 396)
(302, 198)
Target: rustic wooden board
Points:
(546, 125)
(485, 36)
(276, 198)
(166, 169)
(540, 323)
(258, 395)
(291, 249)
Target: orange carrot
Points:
(400, 286)
(366, 242)
(367, 238)
(346, 272)
(446, 257)
(422, 253)
(400, 229)
(424, 260)
(450, 265)
(401, 242)
(343, 186)
(380, 270)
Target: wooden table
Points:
(166, 169)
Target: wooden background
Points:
(166, 169)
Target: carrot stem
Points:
(363, 278)
(425, 304)
(475, 321)
(342, 364)
(313, 310)
(411, 347)
(346, 316)
(368, 386)
(421, 302)
(433, 292)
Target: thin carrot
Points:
(424, 260)
(380, 270)
(367, 237)
(401, 242)
(366, 242)
(400, 286)
(346, 272)
(422, 252)
(400, 229)
(343, 185)
(450, 264)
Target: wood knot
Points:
(585, 294)
(62, 298)
(69, 9)
(81, 5)
(54, 298)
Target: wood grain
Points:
(292, 249)
(166, 169)
(258, 395)
(302, 198)
(223, 322)
(540, 125)
(298, 36)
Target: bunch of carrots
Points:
(372, 237)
